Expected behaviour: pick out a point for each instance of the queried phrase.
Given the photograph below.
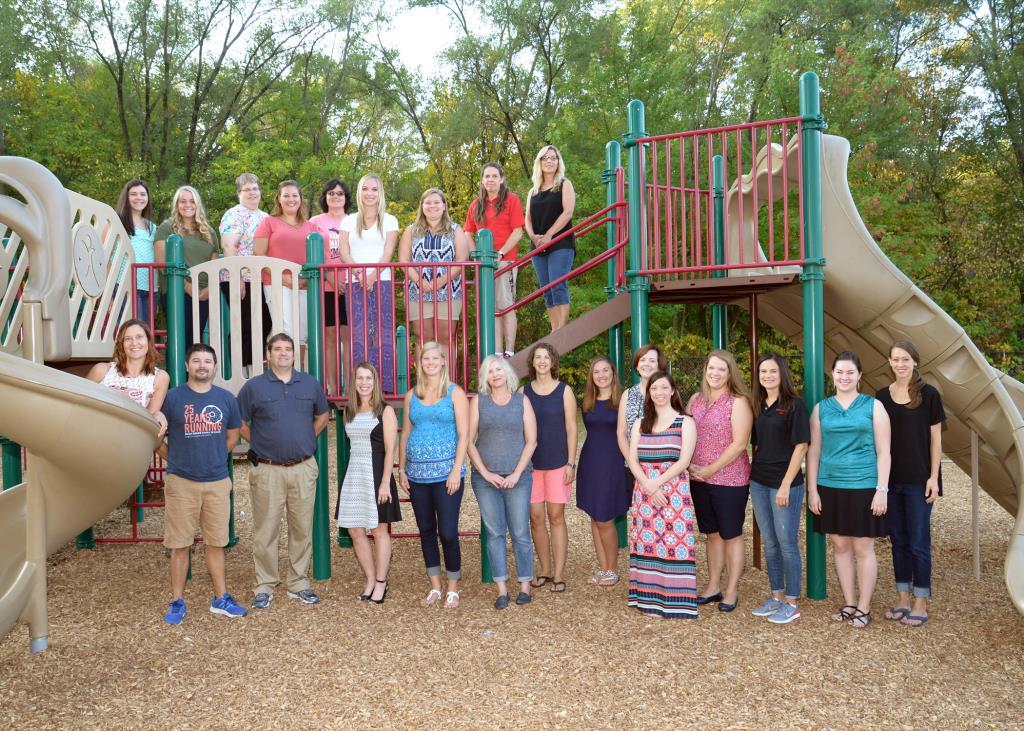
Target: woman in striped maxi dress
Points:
(662, 541)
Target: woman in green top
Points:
(847, 483)
(201, 243)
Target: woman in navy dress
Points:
(601, 490)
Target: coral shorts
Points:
(549, 486)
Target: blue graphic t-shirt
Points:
(197, 440)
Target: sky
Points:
(420, 35)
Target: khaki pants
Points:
(274, 491)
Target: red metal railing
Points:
(763, 218)
(615, 213)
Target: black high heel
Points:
(381, 600)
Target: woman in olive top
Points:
(780, 437)
(201, 243)
(915, 410)
(848, 483)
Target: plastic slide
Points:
(869, 303)
(88, 448)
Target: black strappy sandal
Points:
(844, 616)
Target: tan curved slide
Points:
(88, 447)
(869, 303)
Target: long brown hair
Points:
(531, 372)
(482, 197)
(377, 402)
(734, 383)
(916, 382)
(591, 391)
(650, 410)
(121, 355)
(278, 212)
(787, 391)
(124, 208)
(420, 226)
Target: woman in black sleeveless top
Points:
(549, 208)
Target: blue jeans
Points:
(910, 531)
(550, 267)
(780, 528)
(142, 311)
(437, 514)
(507, 510)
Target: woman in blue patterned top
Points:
(847, 484)
(434, 293)
(435, 436)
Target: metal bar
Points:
(975, 506)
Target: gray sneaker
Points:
(262, 600)
(306, 596)
(785, 614)
(770, 607)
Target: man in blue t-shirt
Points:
(203, 424)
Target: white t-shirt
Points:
(368, 247)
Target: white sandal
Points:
(432, 598)
(451, 600)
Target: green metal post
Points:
(11, 462)
(402, 363)
(488, 258)
(176, 345)
(639, 286)
(314, 317)
(719, 321)
(616, 339)
(813, 278)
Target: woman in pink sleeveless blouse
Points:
(720, 472)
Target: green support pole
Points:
(488, 258)
(314, 316)
(11, 462)
(176, 345)
(639, 286)
(401, 363)
(616, 339)
(813, 278)
(140, 497)
(719, 321)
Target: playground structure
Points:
(692, 235)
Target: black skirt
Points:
(847, 512)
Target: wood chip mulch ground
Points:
(567, 661)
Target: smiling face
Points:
(200, 367)
(602, 374)
(135, 342)
(496, 377)
(364, 383)
(138, 198)
(336, 201)
(281, 354)
(542, 361)
(647, 364)
(290, 200)
(660, 392)
(902, 363)
(845, 376)
(768, 375)
(432, 362)
(716, 374)
(249, 196)
(433, 208)
(491, 180)
(549, 162)
(369, 193)
(186, 206)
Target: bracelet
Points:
(884, 489)
(572, 464)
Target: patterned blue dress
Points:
(435, 248)
(662, 541)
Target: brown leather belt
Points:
(264, 460)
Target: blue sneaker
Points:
(306, 596)
(227, 606)
(785, 614)
(770, 607)
(175, 612)
(262, 600)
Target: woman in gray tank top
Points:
(502, 437)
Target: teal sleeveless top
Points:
(847, 444)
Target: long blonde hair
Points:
(382, 205)
(734, 383)
(538, 175)
(377, 402)
(178, 223)
(421, 226)
(421, 378)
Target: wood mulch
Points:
(580, 659)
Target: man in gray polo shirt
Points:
(283, 410)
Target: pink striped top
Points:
(714, 435)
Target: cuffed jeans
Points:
(780, 528)
(507, 510)
(552, 266)
(910, 530)
(437, 515)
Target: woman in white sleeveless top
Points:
(133, 371)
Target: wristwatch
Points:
(573, 465)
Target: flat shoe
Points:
(842, 615)
(523, 598)
(558, 587)
(896, 614)
(726, 607)
(540, 581)
(915, 620)
(702, 600)
(432, 598)
(501, 602)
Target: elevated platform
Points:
(721, 291)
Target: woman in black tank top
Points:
(549, 211)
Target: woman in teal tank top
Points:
(847, 483)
